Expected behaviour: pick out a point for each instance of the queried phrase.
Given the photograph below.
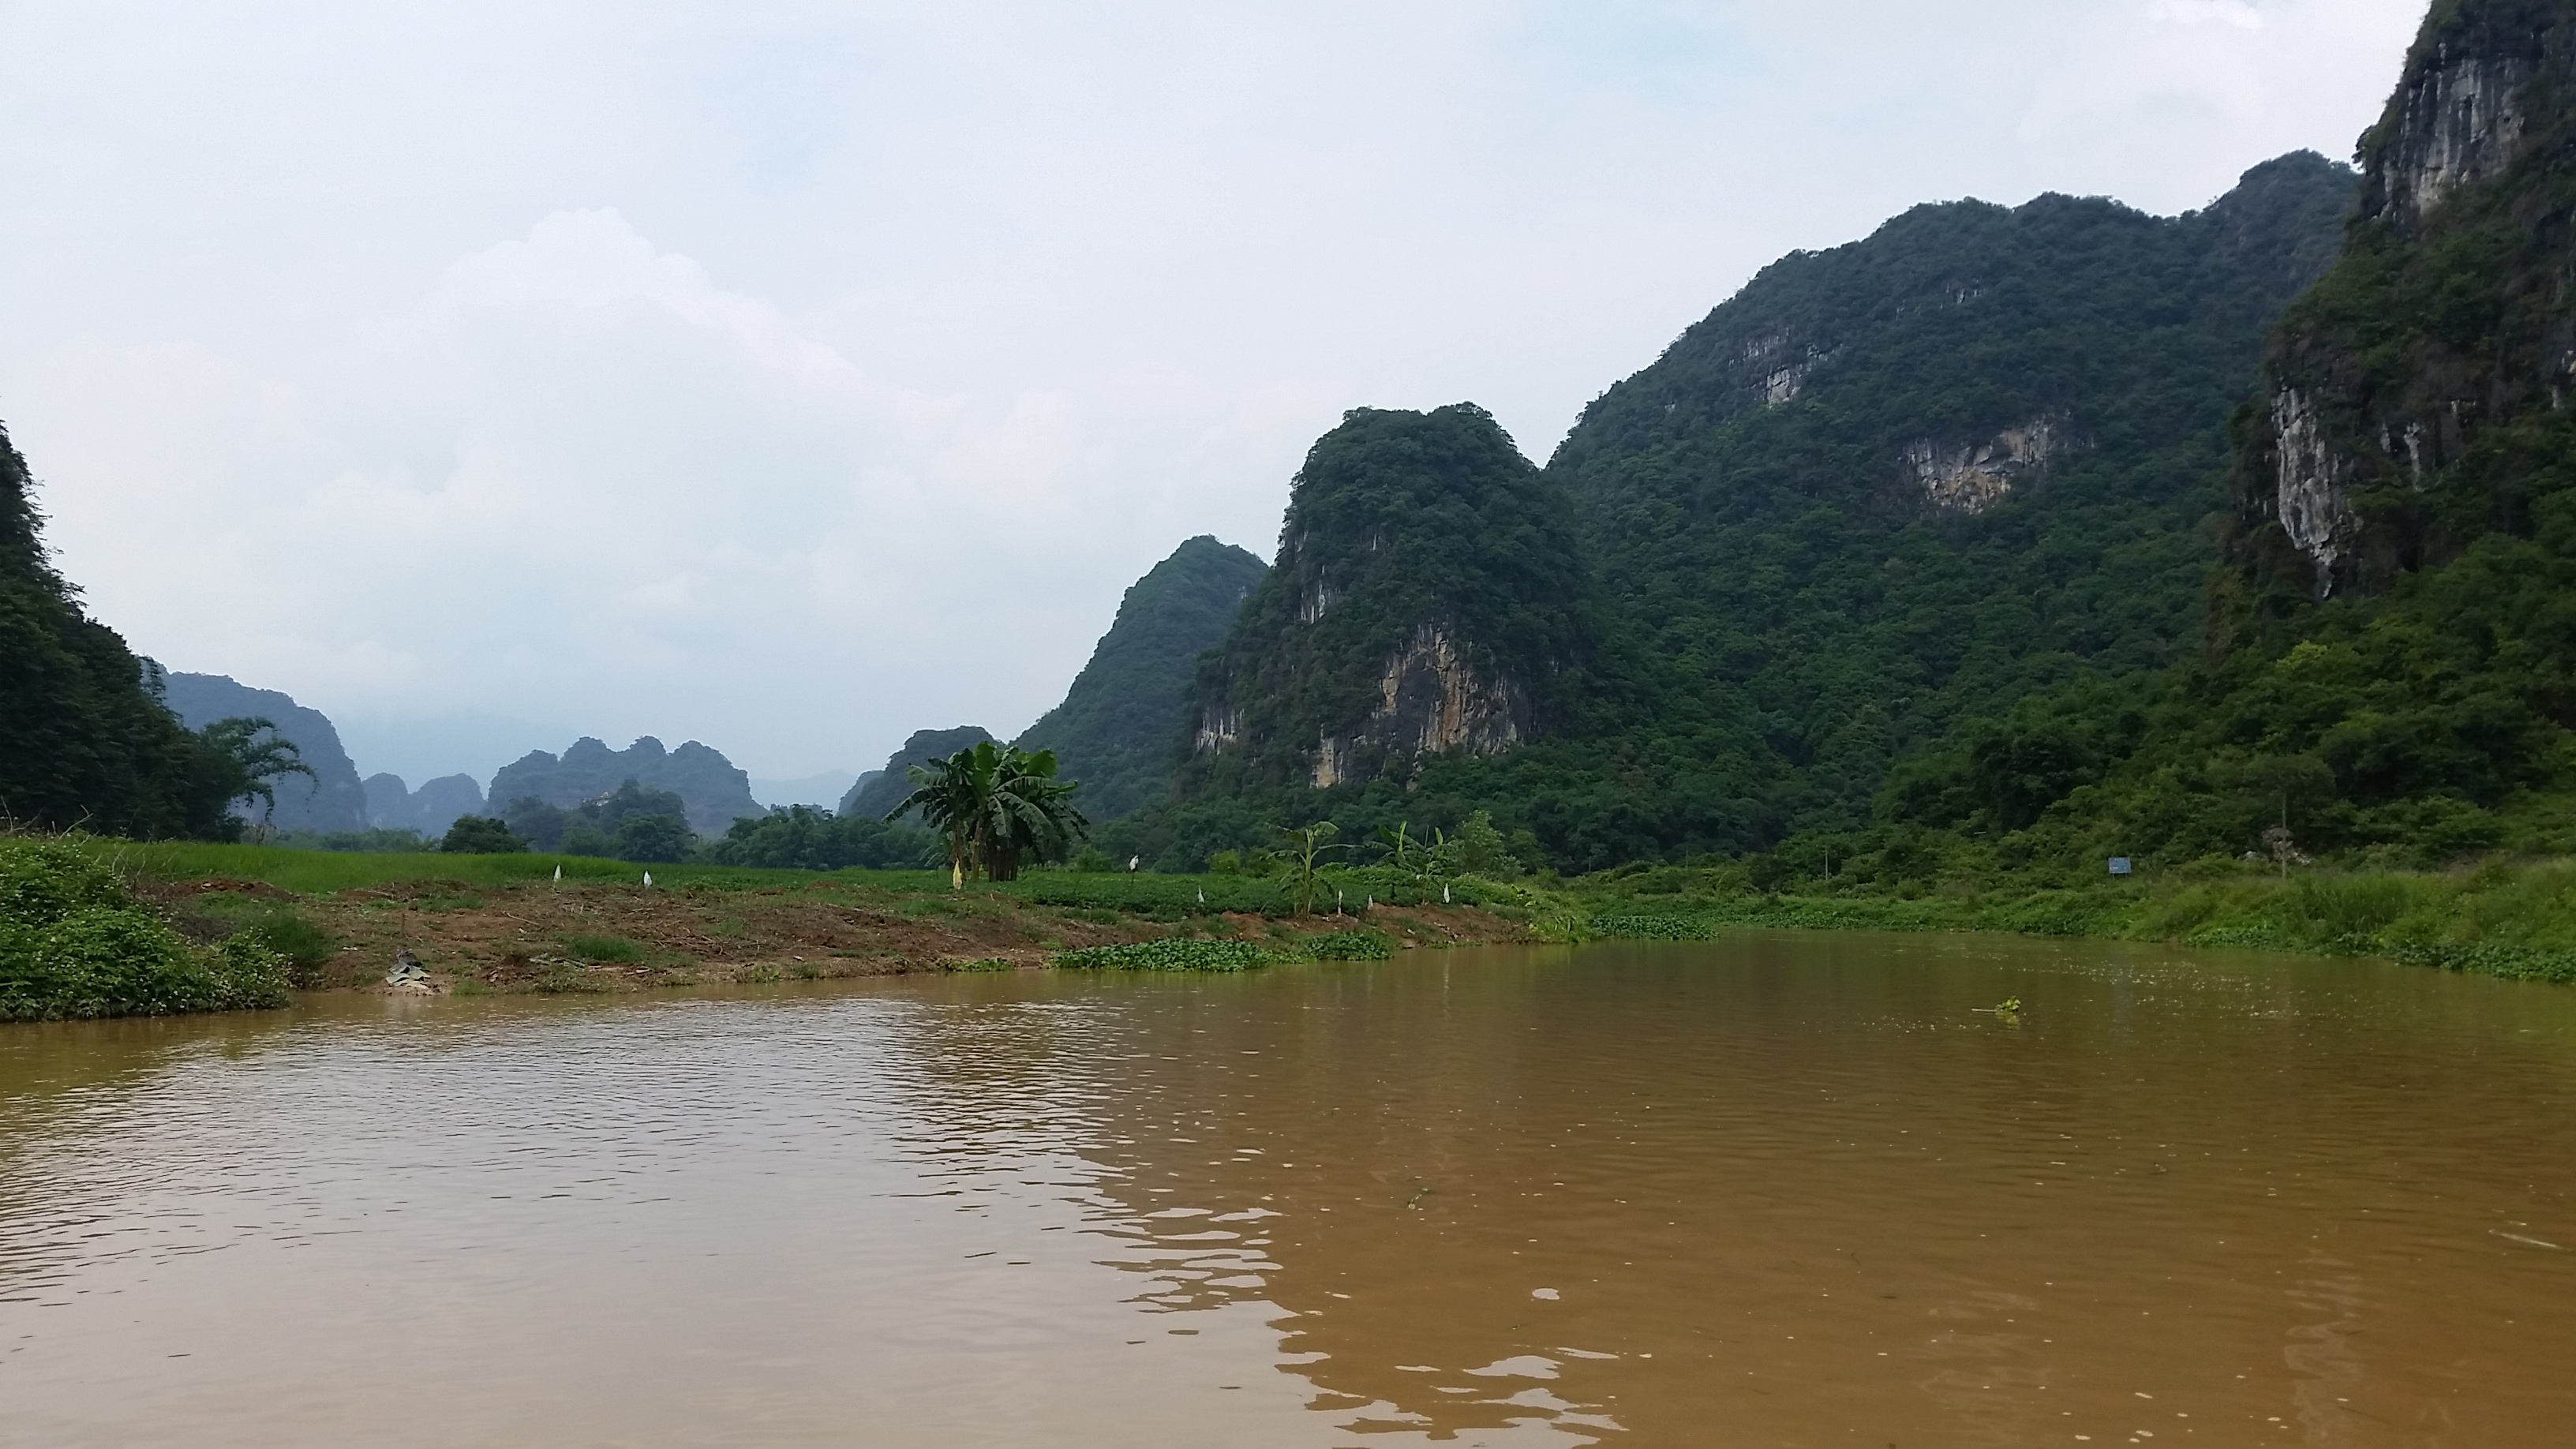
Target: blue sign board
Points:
(2119, 865)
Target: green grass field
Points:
(1166, 897)
(2514, 919)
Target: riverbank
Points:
(2514, 919)
(480, 924)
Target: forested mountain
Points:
(83, 738)
(1885, 489)
(716, 793)
(332, 799)
(1906, 481)
(1114, 731)
(2392, 643)
(879, 791)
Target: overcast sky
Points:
(792, 376)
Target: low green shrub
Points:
(75, 943)
(1170, 954)
(604, 948)
(1359, 944)
(1653, 928)
(305, 947)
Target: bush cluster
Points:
(74, 942)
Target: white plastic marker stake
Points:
(648, 880)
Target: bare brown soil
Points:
(545, 938)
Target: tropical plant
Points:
(993, 804)
(240, 759)
(1305, 848)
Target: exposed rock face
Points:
(2450, 319)
(1220, 724)
(1428, 599)
(1777, 364)
(1430, 701)
(2459, 121)
(336, 800)
(1977, 476)
(2309, 502)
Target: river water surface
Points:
(1791, 1189)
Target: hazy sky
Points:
(792, 376)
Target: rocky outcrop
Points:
(1776, 364)
(2309, 500)
(1973, 477)
(2449, 320)
(2458, 120)
(1431, 701)
(1429, 599)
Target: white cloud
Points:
(2195, 12)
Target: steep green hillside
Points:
(1910, 479)
(1114, 731)
(1430, 599)
(83, 740)
(2392, 662)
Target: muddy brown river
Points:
(1778, 1189)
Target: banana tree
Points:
(992, 804)
(1305, 848)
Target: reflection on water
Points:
(1785, 1189)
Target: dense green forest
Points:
(1114, 730)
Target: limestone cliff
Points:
(1429, 598)
(2402, 399)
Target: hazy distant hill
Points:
(334, 801)
(817, 790)
(1118, 730)
(717, 794)
(430, 809)
(878, 791)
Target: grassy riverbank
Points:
(103, 927)
(507, 923)
(2512, 919)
